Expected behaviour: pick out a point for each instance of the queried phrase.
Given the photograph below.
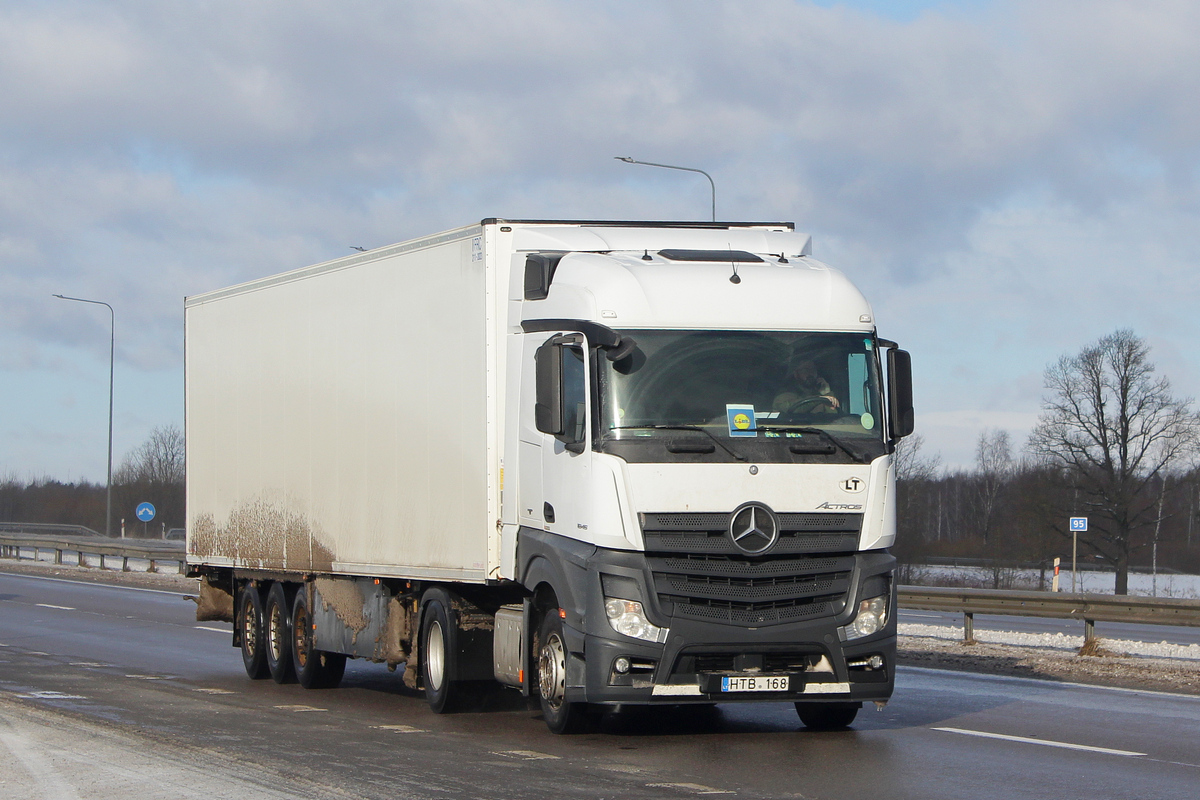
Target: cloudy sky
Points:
(1006, 180)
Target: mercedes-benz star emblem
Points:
(754, 529)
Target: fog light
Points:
(628, 618)
(871, 663)
(872, 617)
(621, 665)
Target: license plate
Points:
(756, 683)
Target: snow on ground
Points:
(1162, 585)
(1056, 641)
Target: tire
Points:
(277, 634)
(439, 655)
(249, 621)
(315, 669)
(560, 716)
(827, 716)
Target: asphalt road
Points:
(109, 692)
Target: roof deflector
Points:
(539, 272)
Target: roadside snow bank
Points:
(1055, 641)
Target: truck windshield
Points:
(749, 394)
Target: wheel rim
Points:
(435, 655)
(552, 671)
(249, 627)
(275, 633)
(302, 634)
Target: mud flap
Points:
(213, 603)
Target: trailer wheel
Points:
(277, 619)
(560, 715)
(315, 669)
(250, 631)
(827, 716)
(439, 651)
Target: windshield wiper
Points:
(681, 428)
(829, 437)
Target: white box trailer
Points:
(345, 418)
(555, 456)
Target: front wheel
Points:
(560, 715)
(827, 716)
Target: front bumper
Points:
(688, 667)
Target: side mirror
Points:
(548, 408)
(901, 419)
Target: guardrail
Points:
(47, 529)
(1091, 608)
(100, 548)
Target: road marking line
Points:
(527, 755)
(694, 788)
(48, 605)
(299, 709)
(1045, 742)
(214, 630)
(152, 677)
(399, 728)
(212, 691)
(626, 769)
(48, 695)
(91, 583)
(89, 664)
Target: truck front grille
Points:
(699, 573)
(708, 533)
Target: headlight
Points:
(628, 618)
(872, 617)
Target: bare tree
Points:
(910, 464)
(1115, 429)
(993, 457)
(154, 472)
(159, 459)
(915, 474)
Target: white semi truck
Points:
(605, 463)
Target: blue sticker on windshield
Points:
(867, 344)
(741, 420)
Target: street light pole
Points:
(629, 160)
(112, 338)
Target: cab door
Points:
(561, 409)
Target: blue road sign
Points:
(1079, 524)
(144, 512)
